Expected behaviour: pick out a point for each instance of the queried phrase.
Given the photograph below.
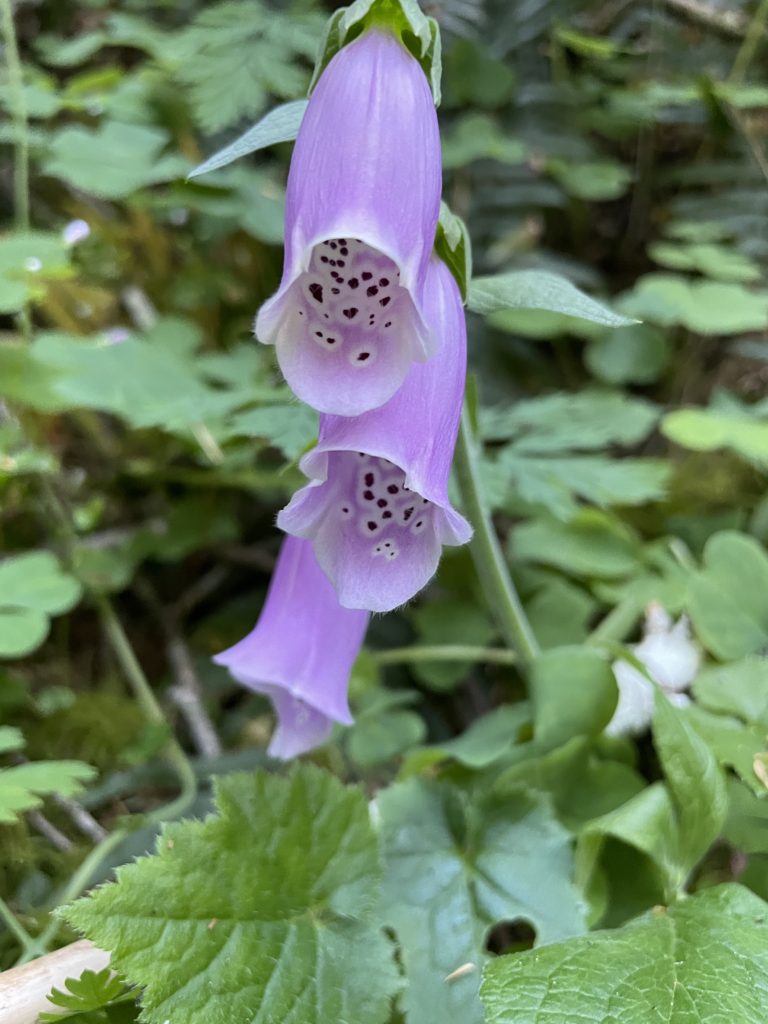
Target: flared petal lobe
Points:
(376, 508)
(300, 652)
(362, 206)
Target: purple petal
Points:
(365, 177)
(377, 507)
(301, 651)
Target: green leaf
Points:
(454, 247)
(728, 598)
(740, 689)
(488, 738)
(695, 782)
(114, 160)
(449, 621)
(478, 137)
(22, 787)
(289, 428)
(593, 181)
(706, 430)
(91, 991)
(721, 262)
(27, 259)
(565, 421)
(703, 960)
(454, 867)
(704, 307)
(735, 745)
(538, 289)
(573, 692)
(592, 544)
(279, 125)
(32, 589)
(237, 54)
(637, 354)
(261, 910)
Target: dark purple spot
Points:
(333, 245)
(393, 489)
(344, 249)
(340, 263)
(318, 334)
(385, 301)
(353, 282)
(368, 495)
(382, 502)
(371, 525)
(388, 323)
(407, 514)
(363, 356)
(342, 241)
(332, 262)
(345, 509)
(384, 282)
(419, 523)
(335, 291)
(373, 290)
(386, 515)
(368, 479)
(350, 313)
(366, 275)
(323, 259)
(316, 291)
(330, 341)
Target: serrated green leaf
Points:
(279, 125)
(695, 782)
(260, 912)
(736, 746)
(538, 289)
(452, 859)
(237, 54)
(592, 544)
(93, 990)
(705, 959)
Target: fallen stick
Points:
(24, 990)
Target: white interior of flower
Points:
(350, 297)
(382, 507)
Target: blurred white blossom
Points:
(76, 231)
(669, 656)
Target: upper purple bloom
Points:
(300, 653)
(362, 207)
(377, 507)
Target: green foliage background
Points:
(146, 443)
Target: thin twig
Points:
(54, 836)
(445, 652)
(187, 693)
(731, 22)
(82, 819)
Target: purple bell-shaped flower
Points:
(362, 208)
(300, 652)
(376, 508)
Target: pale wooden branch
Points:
(24, 990)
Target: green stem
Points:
(19, 111)
(617, 624)
(445, 652)
(26, 941)
(489, 560)
(749, 45)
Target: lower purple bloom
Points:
(376, 508)
(300, 652)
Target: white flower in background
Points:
(76, 231)
(670, 657)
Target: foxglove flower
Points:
(300, 653)
(377, 508)
(671, 659)
(362, 207)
